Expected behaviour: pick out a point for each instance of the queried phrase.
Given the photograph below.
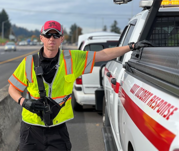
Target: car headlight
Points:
(12, 47)
(6, 47)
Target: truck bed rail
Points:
(158, 65)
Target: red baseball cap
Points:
(51, 24)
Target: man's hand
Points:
(34, 106)
(141, 44)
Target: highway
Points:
(10, 60)
(84, 129)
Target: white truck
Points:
(85, 85)
(141, 89)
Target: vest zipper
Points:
(50, 84)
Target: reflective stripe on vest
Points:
(28, 68)
(88, 63)
(59, 100)
(19, 85)
(68, 69)
(68, 61)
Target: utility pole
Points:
(2, 36)
(102, 23)
(71, 38)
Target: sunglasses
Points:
(55, 35)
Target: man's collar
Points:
(42, 58)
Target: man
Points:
(48, 132)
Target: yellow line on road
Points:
(18, 57)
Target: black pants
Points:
(37, 138)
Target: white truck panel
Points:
(139, 112)
(164, 130)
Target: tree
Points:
(114, 27)
(65, 34)
(7, 25)
(105, 28)
(75, 31)
(23, 32)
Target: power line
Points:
(68, 13)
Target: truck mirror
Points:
(121, 1)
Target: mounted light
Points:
(170, 3)
(121, 1)
(146, 3)
(165, 3)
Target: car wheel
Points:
(14, 49)
(76, 106)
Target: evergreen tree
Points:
(114, 28)
(75, 31)
(105, 28)
(23, 32)
(65, 34)
(7, 24)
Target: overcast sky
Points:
(90, 15)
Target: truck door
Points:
(111, 68)
(111, 91)
(116, 106)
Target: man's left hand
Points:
(141, 44)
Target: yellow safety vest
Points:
(71, 65)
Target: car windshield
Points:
(10, 43)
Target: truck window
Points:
(96, 47)
(99, 47)
(111, 44)
(165, 31)
(87, 48)
(126, 40)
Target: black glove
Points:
(34, 106)
(140, 44)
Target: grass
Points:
(3, 41)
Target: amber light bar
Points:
(170, 3)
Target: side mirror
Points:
(121, 1)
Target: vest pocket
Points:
(69, 81)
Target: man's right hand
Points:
(34, 106)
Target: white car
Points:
(85, 85)
(10, 46)
(23, 43)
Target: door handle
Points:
(108, 74)
(113, 81)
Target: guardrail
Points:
(10, 118)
